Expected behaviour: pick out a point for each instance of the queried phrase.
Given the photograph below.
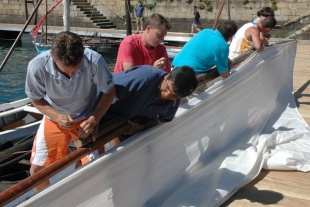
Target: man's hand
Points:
(65, 121)
(160, 63)
(88, 127)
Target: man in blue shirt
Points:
(139, 13)
(145, 91)
(207, 49)
(148, 93)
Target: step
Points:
(79, 1)
(81, 4)
(94, 13)
(107, 27)
(104, 24)
(101, 20)
(89, 9)
(84, 6)
(97, 16)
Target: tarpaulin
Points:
(218, 142)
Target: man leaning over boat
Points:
(148, 93)
(62, 84)
(249, 37)
(207, 49)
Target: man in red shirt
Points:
(145, 48)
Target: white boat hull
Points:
(201, 158)
(9, 116)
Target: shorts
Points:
(139, 21)
(196, 25)
(51, 142)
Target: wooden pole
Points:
(128, 18)
(218, 15)
(46, 10)
(27, 184)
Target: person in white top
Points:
(248, 37)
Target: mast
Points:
(128, 18)
(66, 14)
(46, 22)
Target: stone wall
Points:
(177, 11)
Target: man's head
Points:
(139, 3)
(228, 29)
(156, 28)
(267, 24)
(68, 49)
(180, 82)
(265, 12)
(194, 8)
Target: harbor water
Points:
(12, 76)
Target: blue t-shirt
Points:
(196, 17)
(137, 90)
(139, 11)
(206, 49)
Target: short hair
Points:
(195, 7)
(184, 79)
(68, 48)
(157, 21)
(266, 12)
(228, 29)
(269, 22)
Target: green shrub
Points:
(189, 1)
(201, 6)
(149, 6)
(245, 2)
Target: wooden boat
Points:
(210, 150)
(19, 122)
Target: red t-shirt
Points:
(133, 51)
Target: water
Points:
(12, 76)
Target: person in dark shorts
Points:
(139, 13)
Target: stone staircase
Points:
(93, 14)
(303, 34)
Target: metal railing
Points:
(297, 19)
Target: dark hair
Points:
(269, 22)
(184, 79)
(157, 21)
(68, 48)
(228, 29)
(266, 12)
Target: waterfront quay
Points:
(272, 188)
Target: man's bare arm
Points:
(127, 65)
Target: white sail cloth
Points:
(218, 142)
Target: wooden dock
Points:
(283, 188)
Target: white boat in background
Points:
(18, 119)
(217, 143)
